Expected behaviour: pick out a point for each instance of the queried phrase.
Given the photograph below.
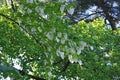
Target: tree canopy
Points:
(51, 41)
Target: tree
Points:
(38, 42)
(107, 9)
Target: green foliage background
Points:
(43, 43)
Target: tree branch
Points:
(17, 71)
(26, 31)
(66, 64)
(31, 76)
(102, 5)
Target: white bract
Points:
(91, 47)
(64, 0)
(37, 9)
(65, 36)
(78, 51)
(50, 35)
(39, 29)
(54, 30)
(109, 64)
(72, 50)
(71, 10)
(71, 59)
(19, 22)
(59, 34)
(62, 41)
(21, 7)
(51, 61)
(49, 73)
(101, 47)
(57, 39)
(44, 16)
(29, 11)
(80, 62)
(83, 43)
(62, 8)
(75, 60)
(107, 55)
(33, 29)
(29, 1)
(41, 10)
(61, 55)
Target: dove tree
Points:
(38, 42)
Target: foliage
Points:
(40, 42)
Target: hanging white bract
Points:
(50, 35)
(59, 34)
(57, 39)
(62, 8)
(29, 11)
(60, 53)
(29, 1)
(80, 62)
(91, 47)
(71, 10)
(65, 36)
(78, 51)
(62, 41)
(70, 59)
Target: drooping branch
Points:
(29, 75)
(13, 6)
(25, 30)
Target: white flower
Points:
(101, 47)
(33, 29)
(70, 59)
(29, 11)
(71, 10)
(78, 51)
(39, 29)
(41, 10)
(44, 16)
(29, 1)
(83, 43)
(57, 39)
(51, 61)
(65, 36)
(59, 34)
(80, 62)
(21, 7)
(53, 30)
(37, 9)
(50, 35)
(109, 64)
(19, 22)
(61, 55)
(62, 8)
(72, 50)
(62, 41)
(91, 47)
(107, 55)
(75, 60)
(62, 0)
(49, 73)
